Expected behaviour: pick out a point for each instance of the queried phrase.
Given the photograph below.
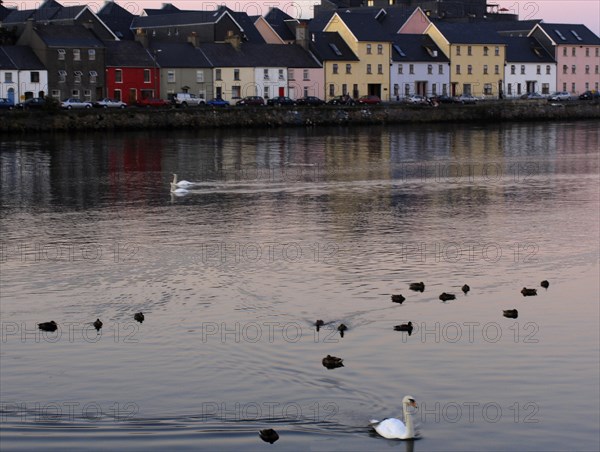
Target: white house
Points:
(529, 68)
(22, 75)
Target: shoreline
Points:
(269, 117)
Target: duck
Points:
(398, 299)
(48, 326)
(181, 183)
(319, 324)
(332, 362)
(408, 327)
(528, 292)
(417, 286)
(545, 284)
(511, 313)
(268, 435)
(392, 428)
(466, 289)
(342, 328)
(447, 296)
(139, 316)
(98, 324)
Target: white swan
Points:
(392, 428)
(181, 183)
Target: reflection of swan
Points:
(181, 183)
(393, 428)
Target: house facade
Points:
(22, 74)
(529, 68)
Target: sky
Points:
(585, 12)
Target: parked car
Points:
(532, 96)
(250, 101)
(151, 102)
(310, 100)
(6, 104)
(73, 102)
(342, 100)
(109, 103)
(281, 101)
(589, 95)
(217, 102)
(443, 99)
(188, 100)
(369, 100)
(465, 99)
(560, 95)
(33, 103)
(416, 99)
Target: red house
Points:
(131, 72)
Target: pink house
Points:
(576, 50)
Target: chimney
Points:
(234, 40)
(302, 35)
(142, 37)
(193, 39)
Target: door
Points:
(11, 95)
(132, 95)
(281, 91)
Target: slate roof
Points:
(512, 27)
(258, 55)
(19, 57)
(167, 8)
(118, 19)
(414, 48)
(67, 36)
(279, 21)
(4, 12)
(570, 32)
(469, 33)
(361, 22)
(49, 10)
(127, 54)
(178, 55)
(526, 50)
(388, 21)
(321, 47)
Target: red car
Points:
(150, 102)
(370, 100)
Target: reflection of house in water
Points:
(25, 177)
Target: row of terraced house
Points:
(391, 52)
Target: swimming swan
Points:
(392, 428)
(181, 183)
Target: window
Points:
(564, 88)
(87, 95)
(457, 50)
(440, 69)
(430, 68)
(400, 69)
(458, 69)
(597, 70)
(91, 54)
(574, 51)
(62, 76)
(34, 77)
(280, 74)
(518, 89)
(545, 88)
(55, 93)
(236, 74)
(335, 49)
(587, 51)
(147, 78)
(380, 68)
(538, 69)
(369, 49)
(485, 51)
(75, 93)
(118, 76)
(265, 74)
(434, 89)
(335, 68)
(485, 68)
(406, 89)
(348, 69)
(587, 68)
(369, 69)
(61, 54)
(547, 69)
(344, 89)
(597, 52)
(587, 86)
(497, 51)
(76, 55)
(496, 69)
(379, 49)
(564, 51)
(291, 74)
(266, 92)
(513, 69)
(509, 89)
(396, 90)
(77, 78)
(487, 89)
(573, 87)
(332, 89)
(469, 69)
(93, 76)
(411, 68)
(8, 78)
(305, 75)
(305, 92)
(573, 68)
(236, 92)
(218, 74)
(565, 69)
(170, 76)
(469, 51)
(522, 69)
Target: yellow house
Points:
(477, 56)
(370, 74)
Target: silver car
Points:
(109, 103)
(73, 102)
(560, 95)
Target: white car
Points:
(560, 95)
(109, 103)
(415, 99)
(73, 102)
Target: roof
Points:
(279, 21)
(512, 27)
(166, 9)
(127, 54)
(49, 10)
(4, 12)
(363, 25)
(390, 18)
(526, 50)
(416, 47)
(19, 57)
(570, 34)
(118, 19)
(258, 55)
(178, 55)
(469, 33)
(324, 45)
(67, 36)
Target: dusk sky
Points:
(572, 11)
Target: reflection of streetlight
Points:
(156, 52)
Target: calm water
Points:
(283, 228)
